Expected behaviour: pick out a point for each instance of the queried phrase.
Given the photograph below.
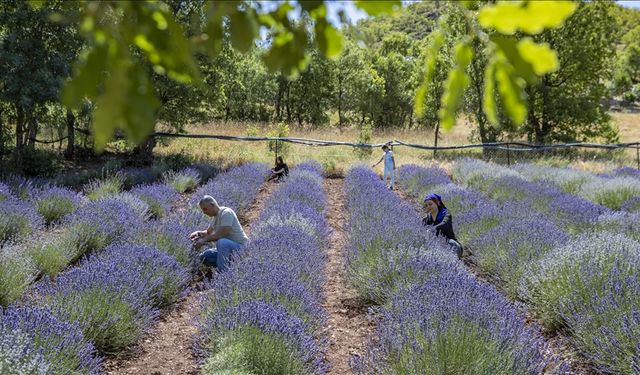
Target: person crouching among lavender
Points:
(225, 231)
(439, 218)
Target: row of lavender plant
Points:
(77, 224)
(542, 250)
(108, 301)
(264, 313)
(617, 190)
(436, 317)
(26, 205)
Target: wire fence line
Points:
(514, 146)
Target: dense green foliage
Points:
(141, 66)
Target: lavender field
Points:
(550, 255)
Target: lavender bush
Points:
(113, 297)
(17, 271)
(612, 192)
(18, 219)
(384, 233)
(620, 222)
(101, 188)
(452, 324)
(139, 206)
(159, 197)
(98, 224)
(33, 341)
(5, 192)
(53, 203)
(479, 174)
(591, 287)
(206, 171)
(137, 176)
(235, 188)
(171, 236)
(261, 317)
(258, 337)
(568, 180)
(22, 187)
(626, 171)
(51, 254)
(631, 205)
(506, 250)
(436, 318)
(419, 181)
(184, 180)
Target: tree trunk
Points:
(435, 140)
(19, 127)
(288, 103)
(144, 151)
(71, 135)
(340, 93)
(32, 131)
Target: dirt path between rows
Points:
(348, 325)
(558, 349)
(166, 349)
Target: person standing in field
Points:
(389, 166)
(225, 230)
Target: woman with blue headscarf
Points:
(440, 219)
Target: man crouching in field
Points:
(225, 231)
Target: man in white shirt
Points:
(389, 166)
(225, 231)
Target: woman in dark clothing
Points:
(280, 171)
(439, 217)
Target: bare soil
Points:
(349, 326)
(167, 349)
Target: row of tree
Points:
(371, 84)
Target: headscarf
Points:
(442, 209)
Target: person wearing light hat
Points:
(440, 219)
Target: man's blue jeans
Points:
(219, 256)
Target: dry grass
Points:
(333, 158)
(337, 158)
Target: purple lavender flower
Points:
(311, 166)
(101, 188)
(153, 264)
(591, 286)
(235, 188)
(22, 187)
(268, 316)
(507, 249)
(184, 180)
(383, 231)
(159, 197)
(5, 192)
(453, 321)
(261, 330)
(113, 297)
(206, 171)
(100, 223)
(17, 271)
(54, 203)
(18, 219)
(136, 176)
(632, 205)
(170, 236)
(626, 171)
(34, 341)
(418, 181)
